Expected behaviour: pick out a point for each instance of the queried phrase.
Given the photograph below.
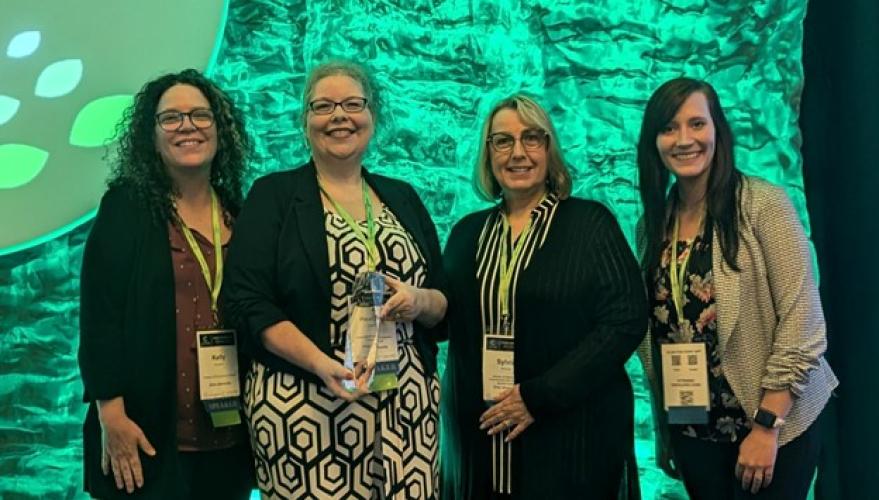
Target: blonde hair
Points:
(558, 178)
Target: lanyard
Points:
(368, 239)
(677, 275)
(215, 284)
(508, 264)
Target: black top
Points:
(278, 266)
(128, 338)
(726, 418)
(494, 255)
(580, 313)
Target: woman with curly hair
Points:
(151, 274)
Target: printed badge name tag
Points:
(218, 384)
(497, 365)
(685, 382)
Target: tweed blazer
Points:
(770, 323)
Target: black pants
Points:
(708, 468)
(221, 475)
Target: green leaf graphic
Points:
(8, 108)
(23, 44)
(59, 78)
(19, 164)
(95, 123)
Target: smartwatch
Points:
(766, 418)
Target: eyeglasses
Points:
(172, 121)
(530, 139)
(349, 105)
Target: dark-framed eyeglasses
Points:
(349, 105)
(172, 121)
(531, 140)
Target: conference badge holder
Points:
(685, 382)
(497, 363)
(218, 383)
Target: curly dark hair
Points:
(137, 164)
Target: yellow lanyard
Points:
(507, 265)
(677, 276)
(368, 239)
(213, 284)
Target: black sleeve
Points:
(619, 324)
(107, 267)
(437, 274)
(250, 293)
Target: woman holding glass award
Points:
(335, 269)
(546, 305)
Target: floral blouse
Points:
(726, 419)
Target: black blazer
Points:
(277, 266)
(580, 313)
(128, 338)
(127, 335)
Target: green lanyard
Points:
(215, 284)
(368, 239)
(507, 265)
(677, 276)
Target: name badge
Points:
(218, 384)
(685, 382)
(497, 365)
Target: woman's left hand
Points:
(756, 462)
(509, 412)
(405, 304)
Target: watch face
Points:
(764, 418)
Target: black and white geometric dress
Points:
(383, 445)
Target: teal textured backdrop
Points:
(440, 66)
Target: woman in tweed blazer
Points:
(743, 285)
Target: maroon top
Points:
(193, 312)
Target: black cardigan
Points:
(128, 338)
(278, 268)
(581, 312)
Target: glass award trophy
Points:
(371, 343)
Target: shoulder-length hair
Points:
(137, 163)
(533, 115)
(724, 180)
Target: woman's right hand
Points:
(332, 373)
(121, 438)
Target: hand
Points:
(332, 373)
(405, 304)
(756, 462)
(121, 438)
(508, 412)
